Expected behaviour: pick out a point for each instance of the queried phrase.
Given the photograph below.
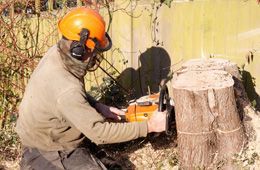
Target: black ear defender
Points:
(78, 48)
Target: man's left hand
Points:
(109, 112)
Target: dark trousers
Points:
(78, 159)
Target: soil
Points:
(157, 151)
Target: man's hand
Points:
(109, 112)
(157, 123)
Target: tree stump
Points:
(208, 125)
(242, 100)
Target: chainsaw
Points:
(144, 107)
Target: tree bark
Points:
(208, 124)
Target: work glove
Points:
(109, 112)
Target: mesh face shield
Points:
(98, 56)
(94, 61)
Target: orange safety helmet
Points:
(75, 20)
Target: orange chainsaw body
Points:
(142, 109)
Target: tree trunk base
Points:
(208, 124)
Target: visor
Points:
(104, 45)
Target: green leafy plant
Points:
(167, 2)
(110, 93)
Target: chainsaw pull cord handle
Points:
(164, 97)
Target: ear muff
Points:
(78, 48)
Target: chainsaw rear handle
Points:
(164, 104)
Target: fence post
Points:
(50, 5)
(79, 3)
(37, 6)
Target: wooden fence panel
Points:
(188, 29)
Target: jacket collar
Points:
(74, 66)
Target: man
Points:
(56, 114)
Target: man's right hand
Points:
(157, 123)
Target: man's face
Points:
(93, 59)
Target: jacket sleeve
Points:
(91, 100)
(75, 108)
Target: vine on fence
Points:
(22, 45)
(20, 49)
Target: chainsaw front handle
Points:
(165, 104)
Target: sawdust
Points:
(250, 157)
(201, 80)
(206, 64)
(157, 151)
(9, 165)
